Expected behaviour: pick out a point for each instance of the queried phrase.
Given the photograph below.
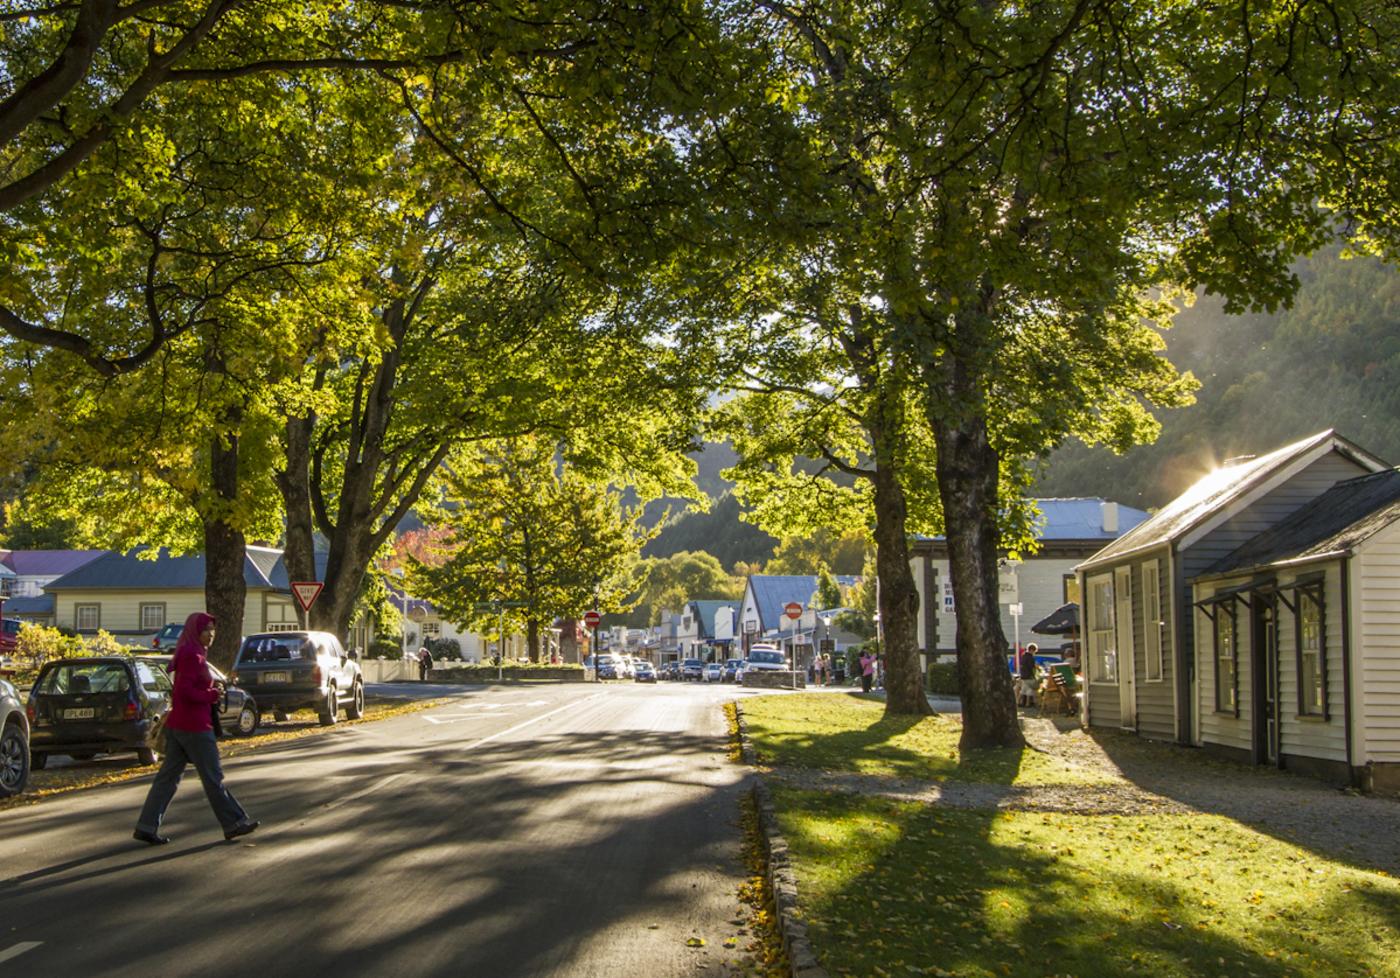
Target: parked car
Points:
(763, 658)
(609, 667)
(287, 671)
(714, 672)
(670, 669)
(167, 638)
(731, 670)
(644, 672)
(9, 635)
(14, 741)
(692, 669)
(107, 704)
(626, 667)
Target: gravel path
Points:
(1142, 777)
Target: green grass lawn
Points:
(893, 888)
(849, 732)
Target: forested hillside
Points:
(1331, 361)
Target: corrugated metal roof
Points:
(47, 563)
(1079, 518)
(1333, 523)
(772, 591)
(705, 611)
(165, 572)
(1216, 491)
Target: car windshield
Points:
(693, 662)
(153, 676)
(269, 648)
(766, 657)
(171, 631)
(733, 663)
(84, 677)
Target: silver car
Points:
(14, 741)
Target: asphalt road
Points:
(551, 830)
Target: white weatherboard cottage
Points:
(1254, 614)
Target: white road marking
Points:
(526, 723)
(464, 716)
(18, 949)
(379, 785)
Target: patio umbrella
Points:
(1064, 620)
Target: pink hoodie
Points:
(194, 688)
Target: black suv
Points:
(287, 671)
(98, 705)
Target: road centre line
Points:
(532, 720)
(16, 950)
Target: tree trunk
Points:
(294, 482)
(899, 600)
(968, 474)
(225, 588)
(532, 639)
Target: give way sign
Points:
(306, 593)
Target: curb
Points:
(802, 960)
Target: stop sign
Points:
(591, 619)
(793, 610)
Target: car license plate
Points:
(86, 713)
(277, 677)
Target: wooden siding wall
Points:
(121, 610)
(1312, 736)
(1156, 706)
(1376, 647)
(1223, 728)
(1299, 736)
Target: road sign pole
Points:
(501, 648)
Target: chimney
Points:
(1110, 517)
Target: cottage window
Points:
(1226, 691)
(1102, 658)
(87, 617)
(1152, 618)
(152, 617)
(432, 629)
(1312, 655)
(1071, 589)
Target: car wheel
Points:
(356, 707)
(14, 761)
(329, 708)
(148, 755)
(37, 762)
(248, 719)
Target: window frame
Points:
(146, 606)
(1152, 622)
(1314, 594)
(1100, 587)
(79, 607)
(1224, 609)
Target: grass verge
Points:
(849, 732)
(302, 723)
(891, 888)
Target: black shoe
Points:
(242, 828)
(150, 838)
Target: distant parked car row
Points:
(113, 704)
(761, 658)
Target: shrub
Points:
(382, 649)
(39, 643)
(442, 649)
(943, 678)
(104, 643)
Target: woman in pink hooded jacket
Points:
(189, 738)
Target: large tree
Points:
(1021, 193)
(528, 540)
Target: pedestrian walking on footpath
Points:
(425, 662)
(189, 739)
(867, 671)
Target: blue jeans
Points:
(201, 750)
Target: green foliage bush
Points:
(444, 648)
(383, 649)
(40, 643)
(943, 678)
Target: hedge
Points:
(943, 678)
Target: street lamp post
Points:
(403, 595)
